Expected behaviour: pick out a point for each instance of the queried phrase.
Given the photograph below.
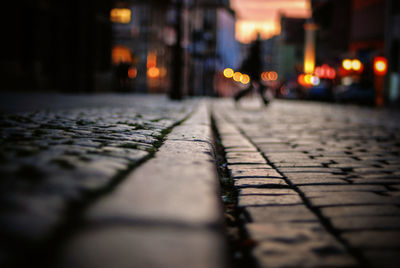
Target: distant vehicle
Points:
(355, 93)
(322, 92)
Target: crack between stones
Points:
(238, 241)
(45, 252)
(362, 262)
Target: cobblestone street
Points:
(319, 183)
(131, 181)
(59, 152)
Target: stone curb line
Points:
(165, 214)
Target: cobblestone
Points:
(63, 149)
(341, 167)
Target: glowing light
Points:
(315, 80)
(301, 80)
(153, 72)
(264, 76)
(331, 73)
(120, 15)
(309, 67)
(121, 54)
(132, 72)
(307, 79)
(245, 79)
(151, 60)
(356, 65)
(309, 48)
(319, 71)
(380, 66)
(346, 64)
(228, 73)
(237, 76)
(325, 71)
(272, 75)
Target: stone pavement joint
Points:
(166, 213)
(338, 168)
(56, 162)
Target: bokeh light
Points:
(228, 73)
(237, 76)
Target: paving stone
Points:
(373, 239)
(263, 191)
(246, 160)
(343, 188)
(79, 146)
(354, 223)
(244, 167)
(316, 181)
(285, 246)
(255, 173)
(295, 213)
(346, 211)
(343, 159)
(266, 183)
(268, 200)
(137, 245)
(350, 198)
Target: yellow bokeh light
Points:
(380, 66)
(308, 78)
(356, 65)
(120, 15)
(237, 76)
(347, 64)
(309, 66)
(245, 79)
(228, 73)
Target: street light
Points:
(380, 65)
(380, 69)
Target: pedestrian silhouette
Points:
(252, 66)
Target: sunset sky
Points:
(263, 16)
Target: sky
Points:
(263, 16)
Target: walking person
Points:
(252, 66)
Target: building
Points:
(213, 46)
(291, 47)
(361, 29)
(56, 46)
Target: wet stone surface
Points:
(52, 154)
(343, 161)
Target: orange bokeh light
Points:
(132, 72)
(153, 72)
(237, 76)
(272, 75)
(380, 66)
(120, 15)
(121, 54)
(245, 79)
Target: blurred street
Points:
(200, 133)
(315, 185)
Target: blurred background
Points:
(327, 50)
